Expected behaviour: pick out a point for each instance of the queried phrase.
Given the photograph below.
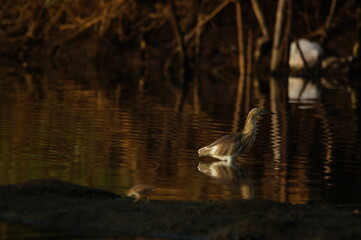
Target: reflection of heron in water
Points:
(228, 173)
(229, 146)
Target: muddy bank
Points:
(81, 211)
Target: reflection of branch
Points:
(305, 83)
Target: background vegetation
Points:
(135, 24)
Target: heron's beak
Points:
(269, 112)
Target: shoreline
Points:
(75, 210)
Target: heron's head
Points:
(259, 111)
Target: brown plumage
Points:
(229, 146)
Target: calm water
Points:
(115, 131)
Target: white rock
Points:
(312, 52)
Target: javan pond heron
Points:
(229, 146)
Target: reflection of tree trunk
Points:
(328, 143)
(247, 189)
(275, 129)
(276, 48)
(279, 133)
(143, 59)
(196, 103)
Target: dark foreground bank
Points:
(81, 211)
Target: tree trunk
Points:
(184, 71)
(276, 48)
(241, 59)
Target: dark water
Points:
(112, 131)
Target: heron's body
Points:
(229, 146)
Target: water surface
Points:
(114, 131)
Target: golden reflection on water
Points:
(111, 134)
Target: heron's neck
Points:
(250, 127)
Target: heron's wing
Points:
(227, 145)
(227, 139)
